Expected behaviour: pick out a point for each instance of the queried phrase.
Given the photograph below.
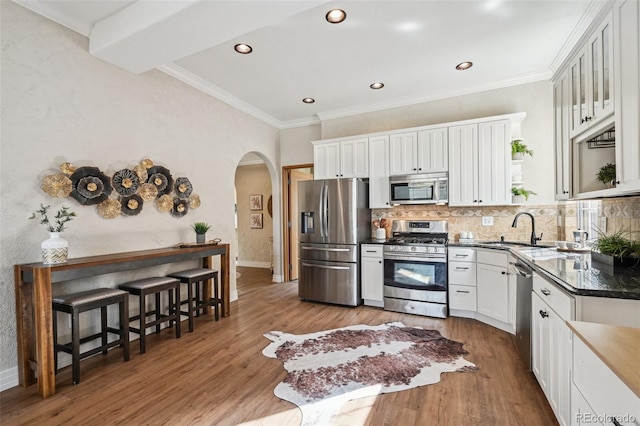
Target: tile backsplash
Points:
(470, 219)
(554, 221)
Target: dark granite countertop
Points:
(373, 241)
(575, 271)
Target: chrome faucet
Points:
(534, 239)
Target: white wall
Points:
(537, 129)
(61, 104)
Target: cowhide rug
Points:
(328, 368)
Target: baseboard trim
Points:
(276, 278)
(253, 264)
(9, 378)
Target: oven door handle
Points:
(419, 258)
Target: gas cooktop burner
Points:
(409, 239)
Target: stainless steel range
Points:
(415, 268)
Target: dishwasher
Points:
(523, 311)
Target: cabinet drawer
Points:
(371, 250)
(493, 257)
(462, 297)
(462, 273)
(605, 393)
(557, 300)
(460, 254)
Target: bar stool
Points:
(195, 303)
(76, 303)
(154, 286)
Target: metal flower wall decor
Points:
(126, 191)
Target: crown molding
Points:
(594, 12)
(41, 8)
(203, 85)
(422, 98)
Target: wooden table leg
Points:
(224, 281)
(24, 328)
(42, 316)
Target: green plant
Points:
(63, 216)
(201, 227)
(521, 191)
(619, 244)
(607, 173)
(517, 146)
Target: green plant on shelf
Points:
(518, 147)
(607, 174)
(522, 192)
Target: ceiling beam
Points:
(149, 34)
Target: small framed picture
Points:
(255, 202)
(256, 220)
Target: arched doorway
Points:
(257, 215)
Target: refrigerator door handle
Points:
(310, 265)
(324, 249)
(321, 210)
(325, 210)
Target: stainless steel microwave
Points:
(426, 188)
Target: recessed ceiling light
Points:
(308, 100)
(335, 16)
(243, 48)
(376, 86)
(464, 66)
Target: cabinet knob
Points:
(419, 168)
(565, 192)
(617, 182)
(379, 261)
(545, 292)
(543, 314)
(415, 169)
(475, 201)
(479, 201)
(503, 273)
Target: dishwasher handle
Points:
(523, 270)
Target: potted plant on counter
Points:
(519, 149)
(200, 229)
(617, 249)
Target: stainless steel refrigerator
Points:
(334, 218)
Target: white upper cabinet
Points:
(326, 160)
(591, 80)
(562, 142)
(403, 153)
(424, 151)
(379, 172)
(480, 164)
(338, 159)
(627, 77)
(433, 150)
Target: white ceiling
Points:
(410, 46)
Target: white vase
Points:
(55, 249)
(517, 199)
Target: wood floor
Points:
(217, 375)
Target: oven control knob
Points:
(413, 249)
(431, 249)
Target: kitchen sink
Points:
(512, 244)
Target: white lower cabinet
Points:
(551, 344)
(462, 279)
(493, 284)
(598, 394)
(372, 274)
(462, 297)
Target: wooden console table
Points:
(33, 299)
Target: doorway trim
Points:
(286, 215)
